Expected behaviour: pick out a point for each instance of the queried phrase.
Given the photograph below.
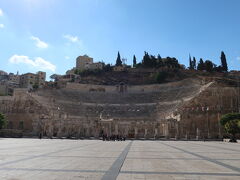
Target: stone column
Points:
(165, 130)
(197, 137)
(110, 129)
(126, 131)
(59, 133)
(145, 133)
(208, 131)
(87, 132)
(50, 131)
(155, 133)
(135, 132)
(177, 136)
(116, 129)
(79, 132)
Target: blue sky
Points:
(48, 35)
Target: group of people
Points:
(113, 138)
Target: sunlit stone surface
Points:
(22, 159)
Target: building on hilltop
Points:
(2, 73)
(93, 66)
(11, 81)
(71, 71)
(28, 80)
(83, 61)
(8, 82)
(86, 63)
(3, 88)
(3, 77)
(41, 78)
(14, 78)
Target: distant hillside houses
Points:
(8, 82)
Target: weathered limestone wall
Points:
(130, 89)
(3, 90)
(200, 117)
(21, 111)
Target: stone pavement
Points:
(46, 159)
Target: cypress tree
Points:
(224, 62)
(190, 62)
(194, 63)
(134, 60)
(159, 61)
(118, 61)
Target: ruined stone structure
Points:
(190, 108)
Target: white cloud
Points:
(38, 62)
(67, 57)
(38, 42)
(238, 58)
(73, 39)
(1, 12)
(2, 26)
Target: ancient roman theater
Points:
(187, 109)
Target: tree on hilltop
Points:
(118, 61)
(146, 59)
(149, 61)
(209, 66)
(159, 58)
(200, 65)
(134, 60)
(159, 61)
(194, 63)
(224, 62)
(190, 62)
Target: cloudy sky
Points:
(48, 35)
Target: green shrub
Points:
(231, 124)
(161, 77)
(3, 121)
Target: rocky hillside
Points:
(149, 76)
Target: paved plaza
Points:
(46, 159)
